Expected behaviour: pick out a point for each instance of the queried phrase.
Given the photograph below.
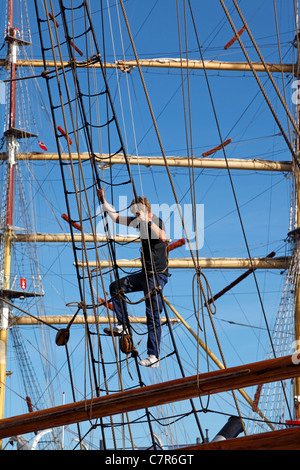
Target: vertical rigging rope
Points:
(86, 128)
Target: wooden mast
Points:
(8, 231)
(12, 135)
(296, 382)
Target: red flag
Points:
(23, 283)
(42, 145)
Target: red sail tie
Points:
(219, 147)
(109, 305)
(75, 47)
(232, 41)
(74, 224)
(60, 129)
(53, 19)
(176, 244)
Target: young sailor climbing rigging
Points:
(152, 277)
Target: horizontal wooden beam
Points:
(253, 164)
(126, 65)
(204, 263)
(78, 320)
(162, 63)
(66, 238)
(285, 439)
(153, 395)
(214, 358)
(198, 162)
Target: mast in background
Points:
(12, 136)
(11, 143)
(297, 222)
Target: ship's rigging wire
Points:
(73, 176)
(289, 116)
(70, 133)
(48, 20)
(282, 100)
(193, 185)
(196, 264)
(120, 379)
(189, 144)
(131, 117)
(67, 134)
(280, 60)
(224, 153)
(139, 173)
(269, 397)
(23, 219)
(134, 138)
(137, 60)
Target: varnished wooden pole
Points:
(126, 65)
(153, 395)
(285, 439)
(205, 263)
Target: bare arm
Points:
(111, 211)
(141, 216)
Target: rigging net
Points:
(85, 120)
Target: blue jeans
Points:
(144, 282)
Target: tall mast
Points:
(11, 143)
(12, 135)
(297, 227)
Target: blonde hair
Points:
(141, 201)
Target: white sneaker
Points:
(150, 361)
(118, 330)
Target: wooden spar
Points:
(220, 163)
(162, 63)
(67, 238)
(254, 164)
(214, 359)
(65, 319)
(78, 320)
(124, 65)
(235, 282)
(285, 439)
(271, 370)
(204, 263)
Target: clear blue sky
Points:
(263, 198)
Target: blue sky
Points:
(263, 198)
